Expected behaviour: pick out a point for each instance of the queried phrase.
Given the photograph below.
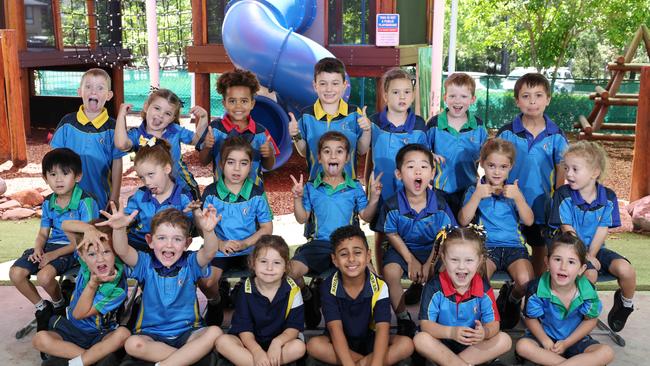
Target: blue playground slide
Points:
(263, 36)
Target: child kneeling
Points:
(458, 315)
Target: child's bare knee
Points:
(422, 340)
(504, 342)
(18, 274)
(134, 345)
(45, 276)
(40, 340)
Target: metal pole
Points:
(438, 21)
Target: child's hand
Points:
(117, 220)
(92, 236)
(595, 262)
(415, 270)
(37, 256)
(192, 206)
(293, 125)
(512, 190)
(479, 332)
(483, 190)
(462, 335)
(547, 344)
(559, 347)
(363, 121)
(232, 247)
(375, 184)
(208, 143)
(199, 112)
(298, 188)
(266, 150)
(125, 108)
(426, 271)
(438, 159)
(260, 358)
(206, 219)
(45, 259)
(275, 353)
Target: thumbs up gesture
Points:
(363, 120)
(512, 190)
(209, 139)
(293, 125)
(267, 150)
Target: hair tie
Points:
(143, 141)
(479, 230)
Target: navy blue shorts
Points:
(605, 257)
(176, 342)
(237, 262)
(64, 327)
(62, 264)
(578, 348)
(393, 256)
(316, 255)
(503, 257)
(454, 346)
(454, 200)
(534, 235)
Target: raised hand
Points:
(193, 205)
(206, 219)
(199, 112)
(125, 108)
(482, 190)
(118, 219)
(375, 185)
(92, 236)
(266, 150)
(298, 187)
(363, 120)
(293, 125)
(438, 159)
(512, 190)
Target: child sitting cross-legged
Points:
(561, 310)
(168, 328)
(458, 315)
(89, 331)
(356, 309)
(269, 314)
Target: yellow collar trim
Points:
(97, 121)
(319, 112)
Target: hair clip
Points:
(143, 141)
(479, 230)
(442, 234)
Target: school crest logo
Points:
(244, 211)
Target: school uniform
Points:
(418, 230)
(358, 316)
(569, 208)
(557, 321)
(148, 206)
(534, 168)
(330, 208)
(94, 142)
(441, 303)
(314, 122)
(266, 319)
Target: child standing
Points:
(237, 89)
(539, 145)
(561, 310)
(331, 200)
(411, 220)
(269, 314)
(160, 120)
(153, 163)
(52, 254)
(499, 207)
(246, 216)
(90, 131)
(456, 137)
(168, 327)
(90, 331)
(587, 208)
(356, 309)
(458, 315)
(330, 113)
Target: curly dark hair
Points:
(237, 77)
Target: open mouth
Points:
(457, 109)
(561, 276)
(332, 168)
(103, 268)
(168, 254)
(93, 103)
(418, 184)
(462, 276)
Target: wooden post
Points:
(92, 26)
(117, 80)
(5, 139)
(56, 24)
(13, 89)
(199, 30)
(641, 160)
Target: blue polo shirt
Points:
(174, 134)
(442, 304)
(558, 321)
(94, 142)
(314, 122)
(460, 149)
(148, 206)
(569, 208)
(267, 319)
(82, 207)
(240, 213)
(332, 207)
(535, 162)
(255, 133)
(500, 218)
(169, 303)
(107, 300)
(418, 230)
(387, 140)
(358, 316)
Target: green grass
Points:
(16, 236)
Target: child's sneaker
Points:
(406, 327)
(618, 314)
(54, 361)
(312, 305)
(413, 293)
(43, 316)
(214, 313)
(60, 310)
(509, 311)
